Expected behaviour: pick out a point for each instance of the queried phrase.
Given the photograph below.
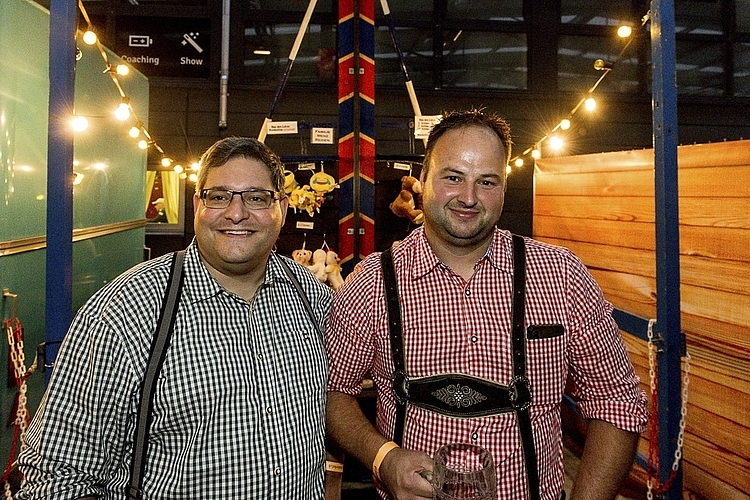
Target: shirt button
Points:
(474, 339)
(260, 356)
(474, 436)
(269, 410)
(277, 471)
(467, 292)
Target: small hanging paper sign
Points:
(423, 125)
(306, 166)
(321, 135)
(282, 128)
(402, 166)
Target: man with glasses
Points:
(239, 404)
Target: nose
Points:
(467, 194)
(236, 211)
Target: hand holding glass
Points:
(463, 472)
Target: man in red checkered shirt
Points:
(504, 389)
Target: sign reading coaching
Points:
(165, 46)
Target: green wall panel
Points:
(24, 97)
(110, 196)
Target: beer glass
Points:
(463, 472)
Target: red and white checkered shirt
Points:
(454, 326)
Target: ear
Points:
(196, 203)
(283, 206)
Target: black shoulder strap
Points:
(155, 362)
(396, 337)
(520, 382)
(301, 293)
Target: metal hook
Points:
(14, 296)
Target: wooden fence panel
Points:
(602, 208)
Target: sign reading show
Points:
(165, 46)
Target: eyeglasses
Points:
(253, 199)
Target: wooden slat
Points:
(730, 181)
(707, 485)
(709, 211)
(728, 153)
(727, 467)
(714, 242)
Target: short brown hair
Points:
(240, 147)
(474, 117)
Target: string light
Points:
(79, 123)
(588, 102)
(90, 38)
(122, 112)
(125, 109)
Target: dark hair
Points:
(241, 147)
(459, 119)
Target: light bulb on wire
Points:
(122, 112)
(590, 104)
(79, 123)
(89, 37)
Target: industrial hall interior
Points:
(624, 156)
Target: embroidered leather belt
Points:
(462, 396)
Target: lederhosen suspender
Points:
(465, 396)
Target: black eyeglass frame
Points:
(275, 196)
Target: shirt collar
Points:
(422, 259)
(199, 285)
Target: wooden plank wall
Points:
(601, 206)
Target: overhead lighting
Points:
(79, 123)
(262, 52)
(624, 31)
(601, 65)
(122, 112)
(89, 37)
(590, 104)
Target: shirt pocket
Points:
(546, 363)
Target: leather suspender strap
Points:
(518, 345)
(397, 340)
(155, 361)
(301, 293)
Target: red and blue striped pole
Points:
(356, 56)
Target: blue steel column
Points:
(59, 294)
(667, 236)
